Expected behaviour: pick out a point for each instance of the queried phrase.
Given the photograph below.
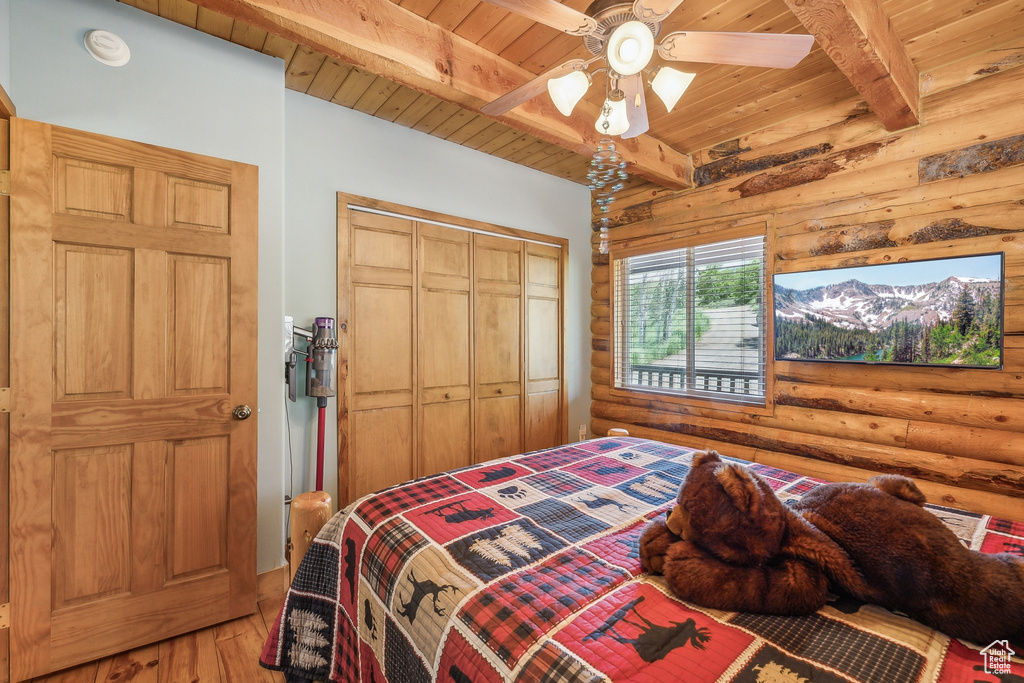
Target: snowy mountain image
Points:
(856, 305)
(939, 312)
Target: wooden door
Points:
(133, 489)
(445, 344)
(498, 263)
(545, 412)
(379, 259)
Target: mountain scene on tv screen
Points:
(956, 321)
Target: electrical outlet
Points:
(583, 432)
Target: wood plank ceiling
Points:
(876, 50)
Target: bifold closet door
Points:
(382, 359)
(498, 346)
(545, 421)
(445, 345)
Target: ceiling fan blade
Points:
(654, 10)
(780, 50)
(551, 13)
(530, 89)
(636, 107)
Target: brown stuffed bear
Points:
(731, 544)
(916, 564)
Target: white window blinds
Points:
(691, 321)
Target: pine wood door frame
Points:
(345, 201)
(5, 381)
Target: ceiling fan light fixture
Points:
(630, 48)
(569, 89)
(613, 119)
(670, 84)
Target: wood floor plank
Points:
(236, 642)
(270, 608)
(136, 666)
(191, 658)
(79, 674)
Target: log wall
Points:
(836, 189)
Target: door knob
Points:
(241, 412)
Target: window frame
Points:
(705, 235)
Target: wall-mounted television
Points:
(939, 312)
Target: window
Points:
(691, 321)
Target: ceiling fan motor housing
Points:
(609, 15)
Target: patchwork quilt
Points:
(526, 569)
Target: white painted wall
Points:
(5, 45)
(330, 149)
(190, 91)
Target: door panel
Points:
(382, 442)
(92, 552)
(445, 345)
(546, 411)
(498, 346)
(92, 342)
(498, 428)
(445, 443)
(133, 490)
(199, 302)
(376, 254)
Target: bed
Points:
(526, 569)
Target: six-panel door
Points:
(133, 489)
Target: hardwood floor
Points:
(226, 653)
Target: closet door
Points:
(381, 401)
(498, 281)
(445, 340)
(545, 418)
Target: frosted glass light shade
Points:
(670, 85)
(630, 48)
(616, 118)
(567, 90)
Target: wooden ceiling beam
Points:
(860, 39)
(388, 40)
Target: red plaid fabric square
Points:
(605, 471)
(387, 551)
(556, 457)
(490, 475)
(394, 501)
(774, 472)
(998, 543)
(635, 634)
(606, 444)
(1006, 526)
(802, 487)
(621, 548)
(346, 658)
(461, 662)
(513, 613)
(447, 520)
(552, 664)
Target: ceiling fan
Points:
(622, 33)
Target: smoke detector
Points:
(107, 48)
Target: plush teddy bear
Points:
(730, 544)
